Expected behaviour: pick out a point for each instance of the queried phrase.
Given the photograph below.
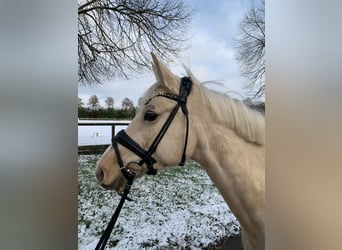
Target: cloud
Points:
(210, 57)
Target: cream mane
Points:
(230, 112)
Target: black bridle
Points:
(146, 155)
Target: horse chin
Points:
(121, 188)
(107, 187)
(117, 185)
(158, 166)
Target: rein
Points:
(106, 233)
(146, 155)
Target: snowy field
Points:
(96, 135)
(179, 208)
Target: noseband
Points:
(146, 155)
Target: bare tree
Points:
(115, 37)
(94, 102)
(128, 108)
(251, 48)
(127, 104)
(80, 102)
(110, 102)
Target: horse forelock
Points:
(150, 92)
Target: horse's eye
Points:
(150, 116)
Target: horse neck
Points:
(235, 166)
(225, 156)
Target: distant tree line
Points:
(128, 111)
(94, 109)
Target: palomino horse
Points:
(181, 119)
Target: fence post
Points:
(113, 131)
(88, 149)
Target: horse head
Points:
(160, 134)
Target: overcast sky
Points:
(211, 55)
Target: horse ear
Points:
(164, 75)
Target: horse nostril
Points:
(99, 175)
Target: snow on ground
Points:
(96, 135)
(178, 208)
